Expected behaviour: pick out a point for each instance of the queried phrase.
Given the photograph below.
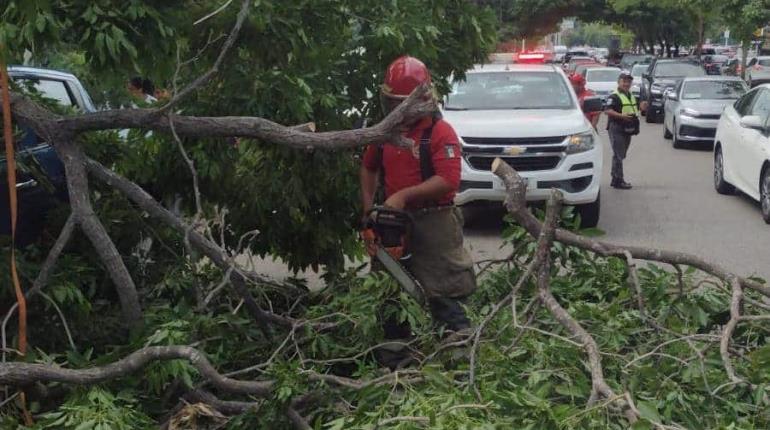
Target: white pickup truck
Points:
(529, 115)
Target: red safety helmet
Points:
(403, 76)
(577, 79)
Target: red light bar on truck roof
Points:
(533, 57)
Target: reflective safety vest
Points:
(629, 104)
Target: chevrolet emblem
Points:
(514, 150)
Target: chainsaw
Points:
(390, 230)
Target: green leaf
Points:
(649, 411)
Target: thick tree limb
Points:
(80, 203)
(516, 204)
(19, 374)
(218, 256)
(49, 125)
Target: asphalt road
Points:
(672, 206)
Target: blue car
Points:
(40, 179)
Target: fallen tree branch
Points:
(217, 255)
(516, 203)
(20, 374)
(727, 332)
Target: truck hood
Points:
(517, 123)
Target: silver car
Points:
(758, 71)
(692, 108)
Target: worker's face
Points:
(625, 84)
(134, 91)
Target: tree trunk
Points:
(744, 56)
(80, 202)
(701, 33)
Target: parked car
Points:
(662, 75)
(629, 60)
(637, 71)
(559, 51)
(581, 69)
(529, 116)
(40, 180)
(758, 71)
(742, 148)
(575, 53)
(693, 108)
(713, 63)
(602, 80)
(733, 67)
(570, 67)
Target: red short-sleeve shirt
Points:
(402, 166)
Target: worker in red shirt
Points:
(579, 84)
(423, 180)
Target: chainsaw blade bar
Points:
(404, 278)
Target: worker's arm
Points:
(433, 189)
(368, 188)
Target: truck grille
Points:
(504, 141)
(520, 164)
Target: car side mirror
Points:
(753, 121)
(671, 95)
(646, 76)
(593, 104)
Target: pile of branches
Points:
(285, 331)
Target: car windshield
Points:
(604, 75)
(713, 90)
(510, 90)
(638, 70)
(679, 69)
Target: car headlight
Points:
(689, 112)
(580, 143)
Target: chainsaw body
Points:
(392, 229)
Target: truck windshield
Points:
(713, 90)
(679, 69)
(510, 90)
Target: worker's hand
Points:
(643, 106)
(396, 201)
(628, 118)
(370, 241)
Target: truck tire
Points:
(589, 213)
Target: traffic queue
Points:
(541, 117)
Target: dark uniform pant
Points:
(620, 141)
(442, 265)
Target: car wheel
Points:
(675, 142)
(720, 184)
(764, 192)
(666, 132)
(650, 118)
(589, 213)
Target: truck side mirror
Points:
(593, 104)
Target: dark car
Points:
(713, 63)
(40, 180)
(628, 60)
(662, 75)
(575, 53)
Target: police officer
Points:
(439, 261)
(622, 123)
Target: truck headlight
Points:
(580, 143)
(689, 112)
